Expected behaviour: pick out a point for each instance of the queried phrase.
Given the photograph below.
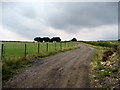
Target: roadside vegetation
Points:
(14, 58)
(105, 68)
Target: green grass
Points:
(99, 67)
(113, 69)
(18, 48)
(102, 75)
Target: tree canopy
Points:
(55, 39)
(38, 39)
(47, 39)
(74, 39)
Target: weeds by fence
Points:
(24, 49)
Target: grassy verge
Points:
(105, 69)
(102, 43)
(11, 65)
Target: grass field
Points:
(18, 48)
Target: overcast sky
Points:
(83, 20)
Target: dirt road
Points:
(64, 70)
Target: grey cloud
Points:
(76, 14)
(68, 16)
(82, 15)
(0, 13)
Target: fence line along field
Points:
(19, 48)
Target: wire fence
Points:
(23, 49)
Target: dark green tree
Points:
(74, 39)
(46, 39)
(38, 39)
(55, 39)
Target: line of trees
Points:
(47, 39)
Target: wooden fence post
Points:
(25, 50)
(55, 46)
(38, 47)
(47, 47)
(2, 50)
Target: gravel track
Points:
(64, 70)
